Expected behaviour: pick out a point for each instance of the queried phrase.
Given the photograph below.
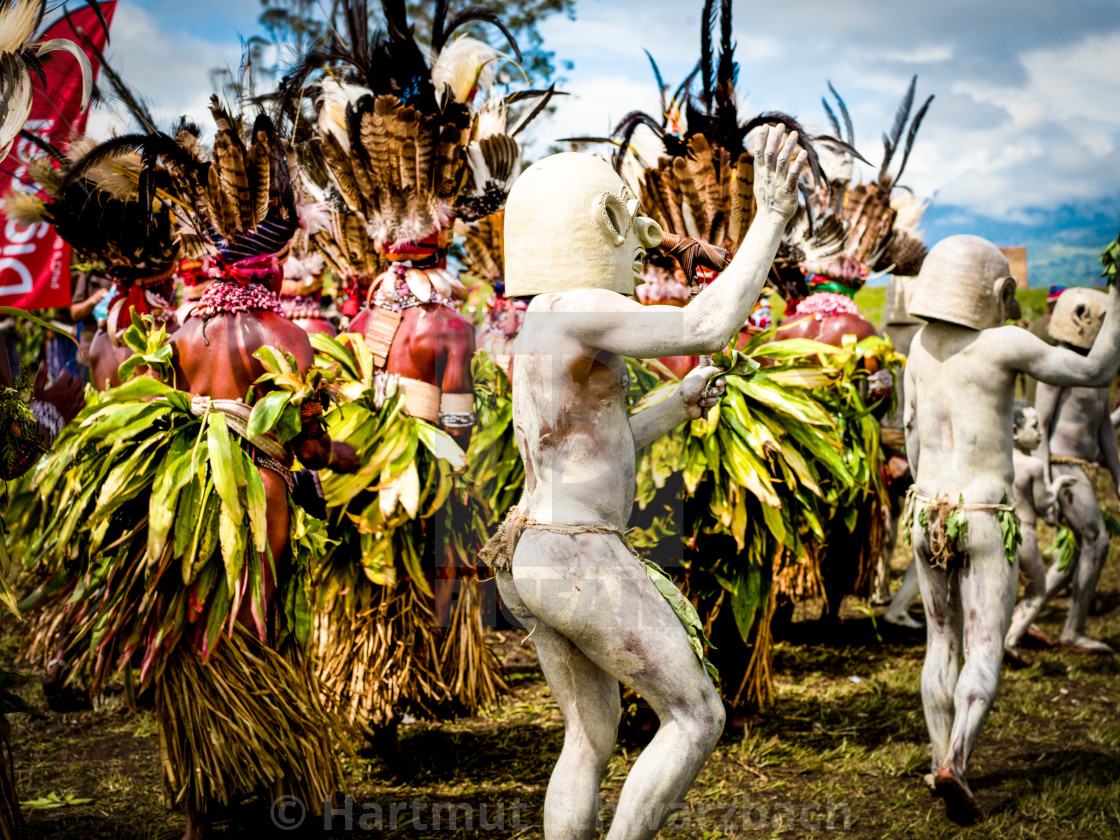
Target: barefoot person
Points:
(1077, 440)
(1033, 498)
(959, 389)
(561, 559)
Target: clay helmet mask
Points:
(572, 223)
(1078, 316)
(965, 280)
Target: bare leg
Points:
(943, 650)
(589, 700)
(899, 610)
(1027, 610)
(987, 595)
(1082, 511)
(590, 590)
(197, 825)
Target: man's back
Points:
(1078, 410)
(570, 419)
(954, 389)
(215, 359)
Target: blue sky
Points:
(1026, 120)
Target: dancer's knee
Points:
(703, 719)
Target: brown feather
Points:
(228, 157)
(260, 177)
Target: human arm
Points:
(605, 320)
(689, 401)
(1046, 406)
(456, 410)
(910, 420)
(1106, 439)
(83, 309)
(1019, 349)
(1044, 496)
(313, 446)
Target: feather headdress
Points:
(102, 211)
(20, 56)
(404, 143)
(702, 186)
(874, 238)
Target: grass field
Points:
(870, 300)
(846, 741)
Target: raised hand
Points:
(777, 167)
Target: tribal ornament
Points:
(225, 297)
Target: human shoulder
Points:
(580, 300)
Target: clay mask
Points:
(965, 280)
(1078, 316)
(572, 223)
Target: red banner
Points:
(34, 261)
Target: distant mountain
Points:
(1063, 243)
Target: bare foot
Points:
(960, 806)
(903, 619)
(196, 826)
(1015, 657)
(1083, 644)
(1035, 632)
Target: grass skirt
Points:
(248, 720)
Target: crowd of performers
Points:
(266, 519)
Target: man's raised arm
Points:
(1027, 352)
(608, 321)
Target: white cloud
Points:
(168, 69)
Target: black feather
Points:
(396, 20)
(624, 132)
(485, 16)
(47, 147)
(707, 23)
(901, 117)
(912, 134)
(726, 74)
(844, 113)
(542, 103)
(831, 117)
(96, 6)
(840, 145)
(791, 124)
(35, 66)
(661, 86)
(439, 36)
(153, 145)
(686, 84)
(292, 87)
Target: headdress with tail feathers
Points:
(405, 149)
(19, 58)
(702, 187)
(101, 209)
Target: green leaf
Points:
(266, 412)
(221, 462)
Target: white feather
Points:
(463, 64)
(333, 101)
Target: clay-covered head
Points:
(1078, 316)
(1024, 425)
(965, 280)
(572, 223)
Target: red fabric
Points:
(35, 262)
